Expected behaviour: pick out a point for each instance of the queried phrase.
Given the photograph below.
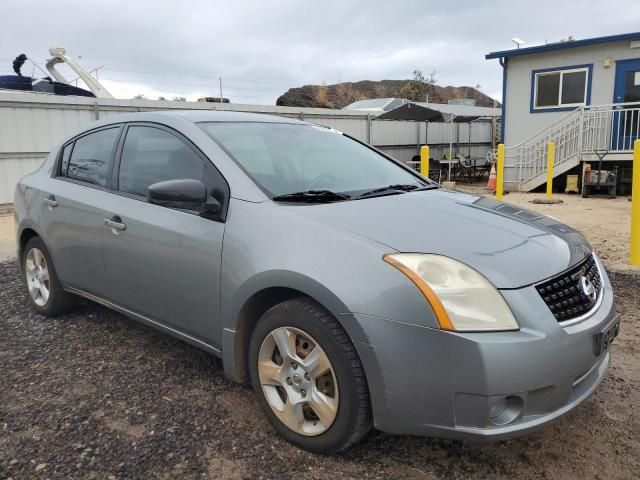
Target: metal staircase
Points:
(578, 135)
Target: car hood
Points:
(511, 246)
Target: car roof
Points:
(197, 116)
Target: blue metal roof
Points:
(561, 45)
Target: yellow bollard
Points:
(424, 160)
(634, 246)
(551, 155)
(500, 172)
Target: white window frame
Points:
(562, 73)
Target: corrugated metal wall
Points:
(31, 124)
(401, 138)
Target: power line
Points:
(267, 93)
(161, 74)
(173, 74)
(264, 97)
(212, 85)
(211, 76)
(215, 86)
(189, 75)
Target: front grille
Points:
(565, 294)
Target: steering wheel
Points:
(322, 181)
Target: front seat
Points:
(184, 163)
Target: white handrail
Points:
(583, 130)
(572, 112)
(548, 127)
(611, 105)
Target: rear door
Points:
(626, 120)
(74, 207)
(160, 262)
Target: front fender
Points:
(317, 291)
(269, 246)
(284, 279)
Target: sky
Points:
(261, 48)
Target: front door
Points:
(161, 262)
(626, 120)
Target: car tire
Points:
(343, 386)
(44, 289)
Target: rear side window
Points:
(91, 157)
(153, 155)
(66, 154)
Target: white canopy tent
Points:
(403, 109)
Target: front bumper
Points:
(495, 385)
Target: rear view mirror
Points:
(185, 193)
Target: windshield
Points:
(287, 158)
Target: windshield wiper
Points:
(399, 188)
(312, 196)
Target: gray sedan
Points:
(349, 290)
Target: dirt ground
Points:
(7, 237)
(96, 395)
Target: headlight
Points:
(461, 298)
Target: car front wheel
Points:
(308, 377)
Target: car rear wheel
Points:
(308, 377)
(45, 291)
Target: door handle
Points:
(51, 201)
(115, 223)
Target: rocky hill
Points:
(342, 94)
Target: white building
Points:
(582, 94)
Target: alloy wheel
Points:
(38, 279)
(298, 381)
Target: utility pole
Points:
(220, 78)
(494, 127)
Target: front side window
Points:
(561, 88)
(92, 156)
(286, 158)
(152, 155)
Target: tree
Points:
(417, 89)
(140, 96)
(179, 99)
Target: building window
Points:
(560, 88)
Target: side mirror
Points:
(185, 193)
(211, 206)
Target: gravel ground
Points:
(96, 395)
